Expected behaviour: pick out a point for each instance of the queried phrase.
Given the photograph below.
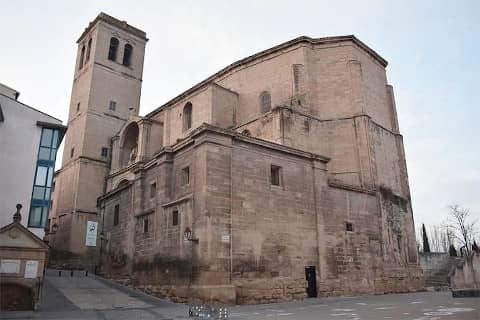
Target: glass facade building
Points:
(42, 183)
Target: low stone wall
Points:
(251, 291)
(437, 267)
(466, 275)
(205, 293)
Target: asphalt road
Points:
(90, 298)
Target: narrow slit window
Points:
(112, 106)
(349, 226)
(116, 214)
(145, 225)
(187, 116)
(275, 175)
(175, 218)
(265, 102)
(185, 176)
(153, 190)
(104, 152)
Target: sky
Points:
(432, 48)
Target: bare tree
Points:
(440, 238)
(463, 230)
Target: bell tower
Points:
(106, 89)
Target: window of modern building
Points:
(116, 214)
(145, 225)
(185, 176)
(42, 183)
(112, 105)
(112, 51)
(349, 226)
(175, 218)
(89, 48)
(104, 152)
(82, 55)
(275, 175)
(127, 54)
(187, 116)
(153, 189)
(1, 114)
(265, 102)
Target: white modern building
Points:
(29, 140)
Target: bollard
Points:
(59, 273)
(71, 273)
(86, 273)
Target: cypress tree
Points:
(426, 244)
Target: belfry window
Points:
(112, 51)
(89, 48)
(127, 54)
(265, 102)
(82, 55)
(187, 116)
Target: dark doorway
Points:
(311, 278)
(14, 297)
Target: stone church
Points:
(281, 176)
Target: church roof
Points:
(114, 22)
(282, 46)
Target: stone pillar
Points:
(144, 126)
(115, 165)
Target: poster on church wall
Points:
(31, 268)
(9, 266)
(91, 237)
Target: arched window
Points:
(112, 51)
(82, 54)
(265, 102)
(127, 54)
(187, 116)
(89, 48)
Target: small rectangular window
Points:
(349, 226)
(175, 218)
(116, 214)
(104, 152)
(275, 175)
(112, 106)
(153, 190)
(185, 176)
(72, 151)
(145, 225)
(78, 106)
